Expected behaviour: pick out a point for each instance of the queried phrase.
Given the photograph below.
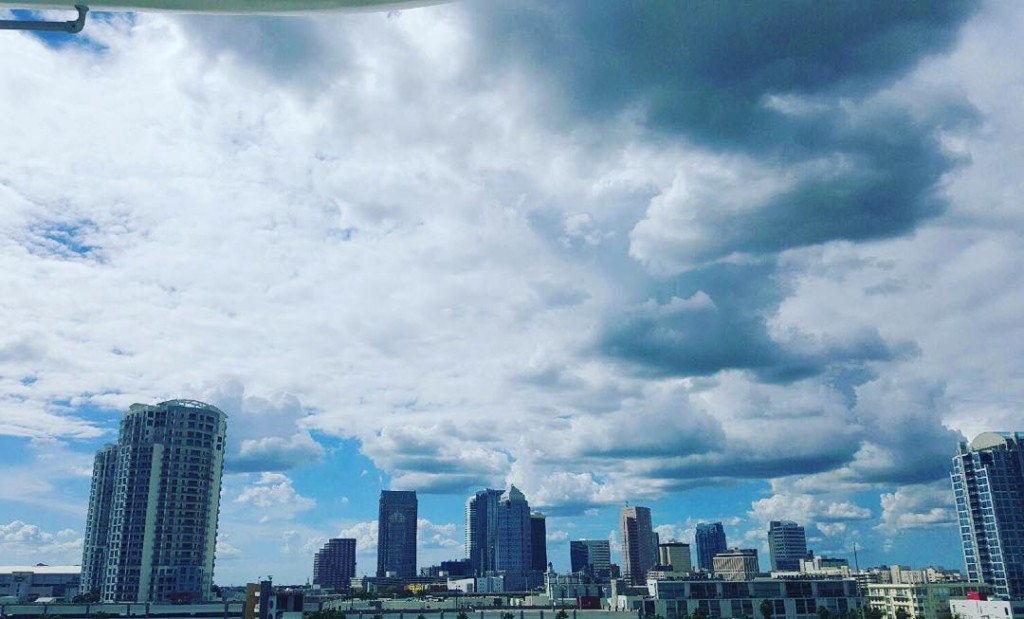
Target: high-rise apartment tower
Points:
(396, 533)
(513, 549)
(638, 551)
(334, 565)
(151, 531)
(988, 486)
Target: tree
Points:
(823, 613)
(871, 612)
(327, 613)
(901, 613)
(86, 598)
(700, 613)
(767, 609)
(462, 615)
(561, 614)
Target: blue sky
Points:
(735, 263)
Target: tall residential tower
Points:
(396, 533)
(988, 485)
(334, 565)
(482, 530)
(151, 532)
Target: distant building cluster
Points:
(153, 518)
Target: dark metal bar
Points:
(70, 27)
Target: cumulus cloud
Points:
(273, 496)
(677, 260)
(28, 543)
(917, 507)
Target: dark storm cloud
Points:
(704, 68)
(712, 319)
(795, 88)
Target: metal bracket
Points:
(70, 27)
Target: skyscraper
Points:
(538, 542)
(638, 551)
(710, 540)
(787, 543)
(154, 503)
(513, 548)
(482, 530)
(334, 565)
(988, 485)
(97, 524)
(591, 557)
(396, 533)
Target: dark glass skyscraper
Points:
(152, 525)
(538, 542)
(988, 485)
(591, 557)
(710, 540)
(334, 565)
(396, 533)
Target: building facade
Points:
(30, 582)
(710, 540)
(514, 548)
(988, 486)
(159, 513)
(677, 555)
(591, 557)
(921, 600)
(396, 533)
(334, 565)
(97, 523)
(737, 564)
(789, 599)
(787, 543)
(538, 542)
(638, 551)
(482, 530)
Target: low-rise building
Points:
(789, 599)
(986, 609)
(920, 600)
(24, 583)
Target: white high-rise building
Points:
(513, 548)
(154, 505)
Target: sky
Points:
(732, 261)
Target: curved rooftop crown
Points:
(195, 404)
(995, 440)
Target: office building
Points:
(159, 514)
(737, 564)
(787, 543)
(513, 549)
(27, 583)
(710, 540)
(676, 555)
(988, 486)
(978, 607)
(538, 542)
(638, 551)
(482, 530)
(334, 565)
(396, 534)
(591, 557)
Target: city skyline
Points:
(733, 265)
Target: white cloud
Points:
(273, 497)
(21, 542)
(917, 507)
